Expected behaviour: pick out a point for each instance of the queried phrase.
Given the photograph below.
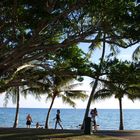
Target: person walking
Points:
(58, 119)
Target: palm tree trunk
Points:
(90, 99)
(48, 114)
(95, 83)
(17, 109)
(121, 115)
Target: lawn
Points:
(43, 134)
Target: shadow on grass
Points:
(50, 134)
(35, 134)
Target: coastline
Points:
(108, 119)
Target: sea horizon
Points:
(107, 119)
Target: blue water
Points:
(108, 119)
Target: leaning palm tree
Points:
(119, 86)
(53, 86)
(62, 88)
(97, 75)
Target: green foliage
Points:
(47, 33)
(11, 93)
(31, 30)
(122, 79)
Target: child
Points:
(37, 125)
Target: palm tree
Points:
(62, 87)
(119, 86)
(53, 85)
(17, 108)
(97, 75)
(14, 93)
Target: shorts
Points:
(28, 123)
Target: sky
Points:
(111, 103)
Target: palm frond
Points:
(72, 86)
(135, 85)
(133, 88)
(49, 96)
(64, 83)
(67, 100)
(76, 94)
(92, 48)
(11, 93)
(115, 49)
(133, 92)
(102, 94)
(6, 99)
(133, 96)
(136, 54)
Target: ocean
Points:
(108, 119)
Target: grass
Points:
(57, 137)
(88, 137)
(43, 134)
(51, 134)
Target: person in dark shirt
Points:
(58, 119)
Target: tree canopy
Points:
(32, 29)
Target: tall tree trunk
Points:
(17, 109)
(48, 114)
(95, 83)
(121, 115)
